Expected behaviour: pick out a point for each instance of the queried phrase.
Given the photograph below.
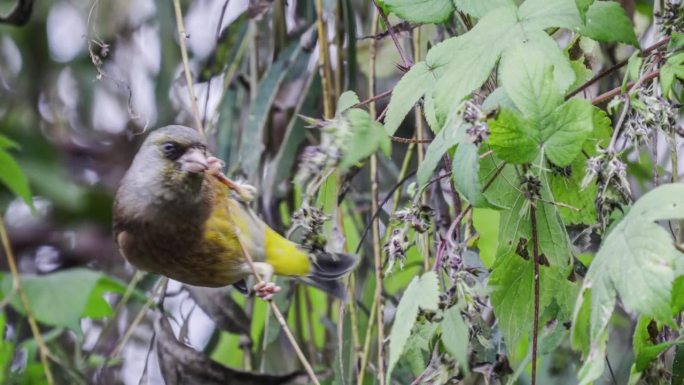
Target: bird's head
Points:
(178, 152)
(169, 168)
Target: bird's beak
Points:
(193, 161)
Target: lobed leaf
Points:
(407, 93)
(607, 21)
(421, 293)
(455, 336)
(64, 297)
(421, 11)
(637, 260)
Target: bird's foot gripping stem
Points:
(265, 289)
(245, 193)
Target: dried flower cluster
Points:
(613, 187)
(473, 114)
(671, 19)
(309, 221)
(416, 217)
(649, 113)
(318, 160)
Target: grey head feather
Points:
(154, 183)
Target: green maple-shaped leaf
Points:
(406, 94)
(479, 8)
(607, 21)
(462, 64)
(421, 11)
(515, 224)
(512, 285)
(452, 134)
(637, 260)
(544, 122)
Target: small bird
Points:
(173, 216)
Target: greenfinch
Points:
(173, 216)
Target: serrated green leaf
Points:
(583, 7)
(463, 63)
(607, 21)
(452, 134)
(543, 14)
(637, 260)
(13, 178)
(418, 346)
(582, 73)
(527, 78)
(465, 171)
(516, 225)
(594, 362)
(367, 136)
(553, 239)
(479, 8)
(502, 186)
(667, 76)
(676, 41)
(566, 189)
(421, 293)
(496, 100)
(513, 139)
(63, 298)
(634, 66)
(678, 294)
(486, 222)
(566, 130)
(455, 336)
(421, 11)
(346, 101)
(645, 350)
(512, 285)
(408, 91)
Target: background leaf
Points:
(607, 21)
(421, 293)
(421, 11)
(12, 176)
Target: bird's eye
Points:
(171, 150)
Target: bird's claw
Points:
(266, 290)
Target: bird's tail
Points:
(326, 271)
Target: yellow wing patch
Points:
(285, 257)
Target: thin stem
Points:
(324, 62)
(375, 225)
(366, 344)
(615, 67)
(276, 312)
(400, 49)
(535, 324)
(418, 118)
(158, 292)
(618, 90)
(186, 66)
(43, 351)
(373, 98)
